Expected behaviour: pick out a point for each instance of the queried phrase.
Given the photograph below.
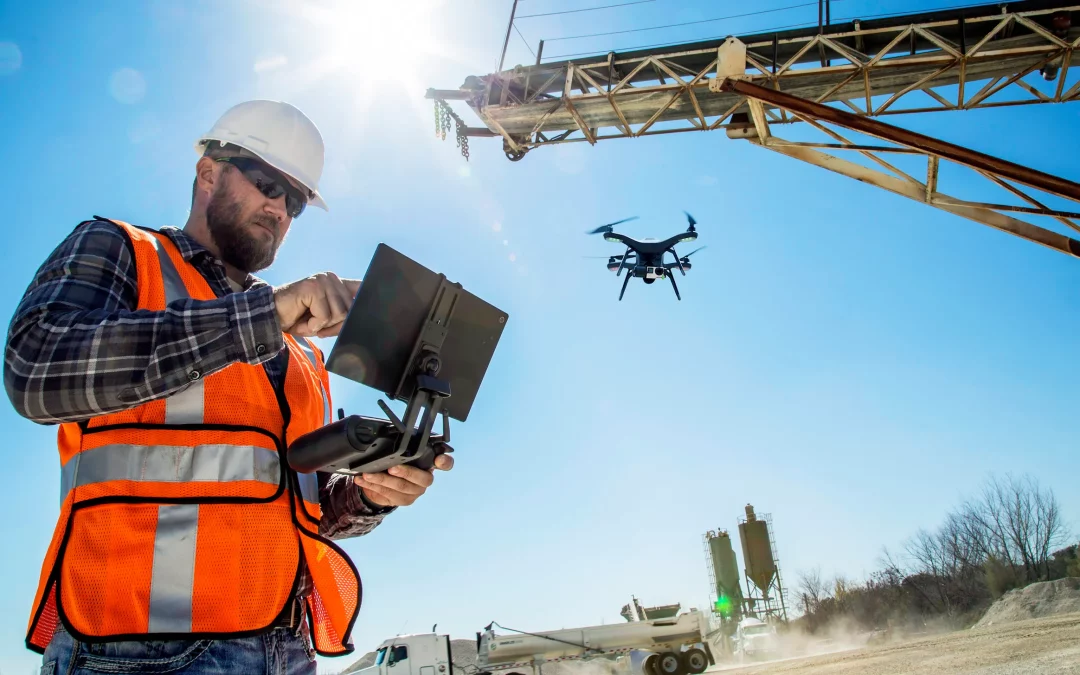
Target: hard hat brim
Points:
(316, 198)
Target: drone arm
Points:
(621, 238)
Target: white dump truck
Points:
(755, 639)
(669, 646)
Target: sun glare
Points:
(372, 42)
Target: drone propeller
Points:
(692, 252)
(690, 219)
(610, 226)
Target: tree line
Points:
(1011, 533)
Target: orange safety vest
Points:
(180, 518)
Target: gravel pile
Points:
(1046, 598)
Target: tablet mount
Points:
(357, 444)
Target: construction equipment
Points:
(755, 639)
(986, 56)
(724, 578)
(764, 585)
(676, 645)
(633, 611)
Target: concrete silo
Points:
(764, 585)
(724, 575)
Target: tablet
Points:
(398, 300)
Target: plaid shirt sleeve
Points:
(78, 347)
(345, 511)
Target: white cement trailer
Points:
(671, 646)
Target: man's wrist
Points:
(254, 320)
(376, 509)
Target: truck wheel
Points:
(695, 660)
(671, 663)
(651, 665)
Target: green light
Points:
(723, 605)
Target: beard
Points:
(224, 220)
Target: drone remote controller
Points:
(357, 444)
(409, 333)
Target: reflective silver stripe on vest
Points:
(170, 463)
(187, 405)
(309, 482)
(309, 487)
(315, 363)
(174, 285)
(173, 576)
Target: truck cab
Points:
(755, 639)
(419, 654)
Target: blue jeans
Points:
(283, 651)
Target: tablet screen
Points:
(395, 300)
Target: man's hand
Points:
(401, 485)
(316, 306)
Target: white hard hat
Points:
(279, 134)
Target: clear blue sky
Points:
(848, 360)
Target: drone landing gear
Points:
(624, 283)
(672, 278)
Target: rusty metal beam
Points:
(871, 127)
(972, 211)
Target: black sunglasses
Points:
(270, 182)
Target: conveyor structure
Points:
(837, 80)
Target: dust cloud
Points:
(842, 635)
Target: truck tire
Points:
(695, 660)
(651, 665)
(671, 663)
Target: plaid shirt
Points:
(77, 347)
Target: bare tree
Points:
(811, 589)
(1024, 522)
(1003, 537)
(891, 572)
(1049, 531)
(929, 556)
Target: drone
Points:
(644, 258)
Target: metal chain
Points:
(463, 141)
(442, 125)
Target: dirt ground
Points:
(1043, 646)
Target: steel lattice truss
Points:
(991, 56)
(846, 75)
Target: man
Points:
(185, 543)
